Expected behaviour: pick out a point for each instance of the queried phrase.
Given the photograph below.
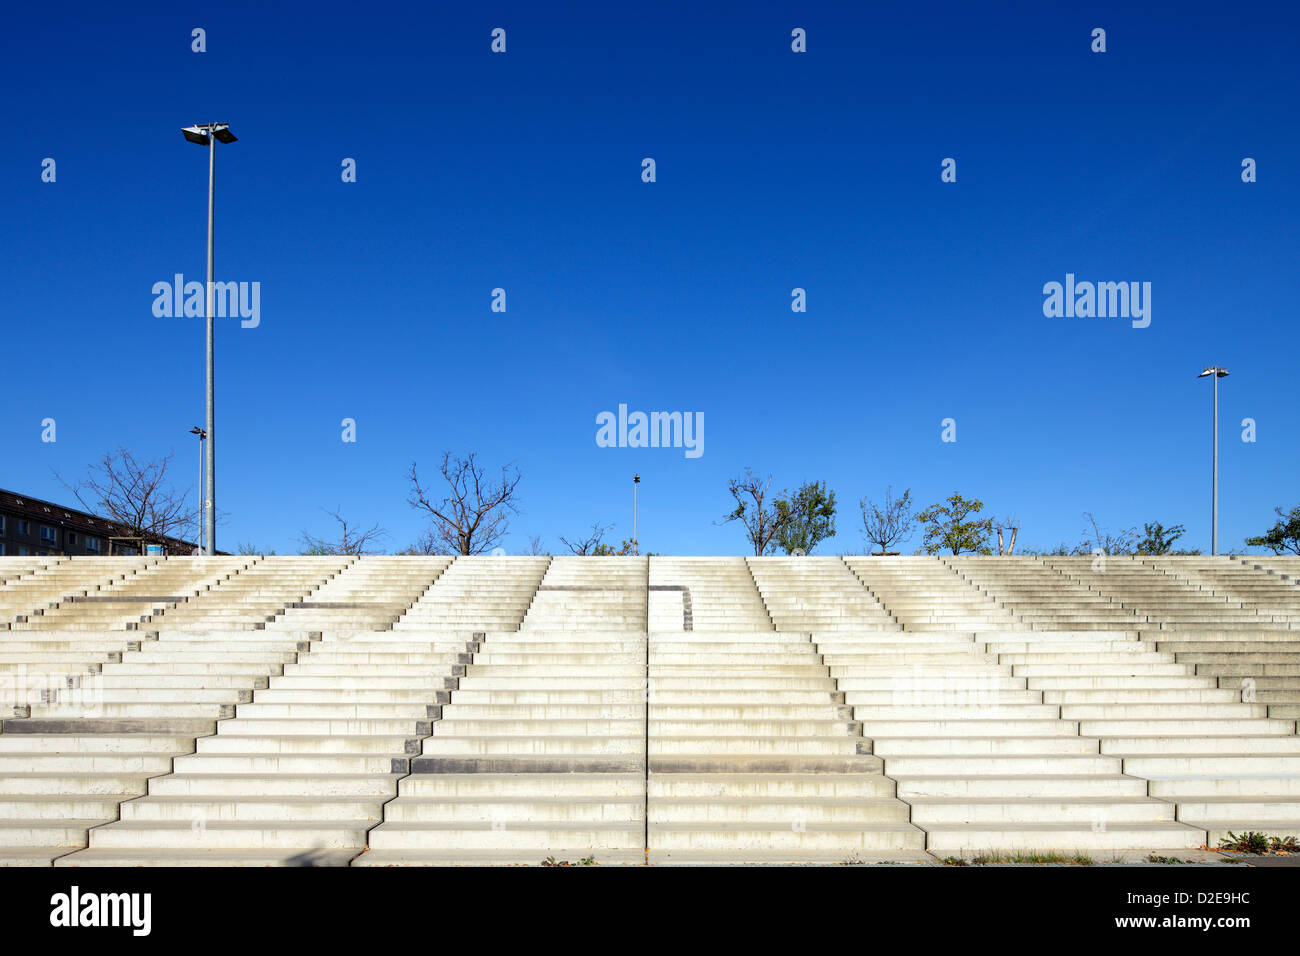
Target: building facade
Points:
(31, 526)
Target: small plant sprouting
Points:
(1249, 841)
(586, 861)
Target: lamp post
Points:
(1216, 373)
(208, 134)
(196, 430)
(636, 545)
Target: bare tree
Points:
(890, 525)
(590, 544)
(1123, 541)
(796, 521)
(1007, 524)
(134, 495)
(536, 546)
(351, 540)
(425, 544)
(761, 519)
(474, 516)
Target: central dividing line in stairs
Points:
(645, 750)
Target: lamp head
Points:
(202, 133)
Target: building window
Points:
(48, 534)
(71, 536)
(92, 544)
(22, 551)
(2, 527)
(22, 528)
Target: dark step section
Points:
(560, 763)
(110, 725)
(749, 763)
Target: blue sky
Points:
(775, 170)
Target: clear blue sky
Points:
(775, 170)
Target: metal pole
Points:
(210, 484)
(200, 492)
(635, 544)
(1214, 526)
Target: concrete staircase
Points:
(1265, 664)
(755, 758)
(1042, 597)
(541, 751)
(1285, 567)
(125, 602)
(705, 594)
(924, 595)
(94, 742)
(42, 586)
(299, 773)
(1164, 601)
(985, 762)
(580, 594)
(429, 710)
(368, 595)
(477, 593)
(1219, 761)
(14, 567)
(817, 594)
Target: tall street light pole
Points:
(208, 134)
(196, 430)
(636, 545)
(1213, 371)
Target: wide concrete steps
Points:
(1023, 836)
(493, 710)
(302, 776)
(56, 787)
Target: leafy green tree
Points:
(789, 521)
(1157, 539)
(1284, 536)
(955, 525)
(805, 518)
(628, 547)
